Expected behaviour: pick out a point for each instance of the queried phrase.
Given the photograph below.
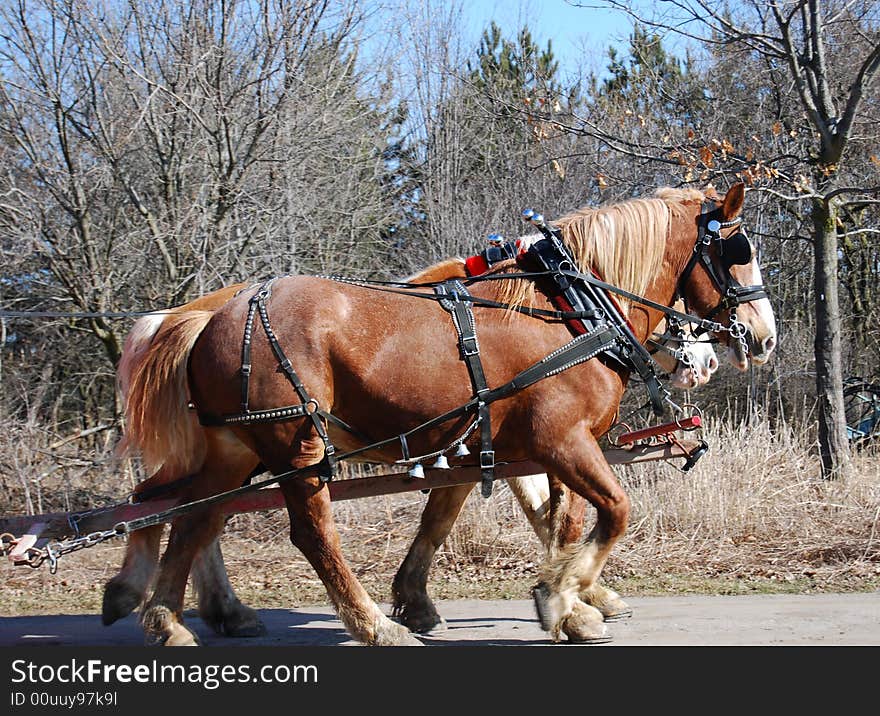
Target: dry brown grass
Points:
(754, 515)
(755, 507)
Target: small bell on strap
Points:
(417, 471)
(441, 463)
(462, 450)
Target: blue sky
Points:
(580, 35)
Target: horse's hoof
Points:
(389, 633)
(120, 600)
(587, 641)
(546, 613)
(585, 625)
(245, 629)
(237, 622)
(607, 601)
(617, 616)
(161, 628)
(420, 621)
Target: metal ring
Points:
(695, 413)
(736, 329)
(625, 428)
(315, 406)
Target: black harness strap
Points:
(575, 352)
(452, 299)
(307, 408)
(550, 253)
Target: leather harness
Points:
(603, 331)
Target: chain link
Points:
(54, 550)
(738, 331)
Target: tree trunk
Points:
(833, 445)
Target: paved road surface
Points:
(821, 619)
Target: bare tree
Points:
(795, 42)
(156, 150)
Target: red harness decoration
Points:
(476, 265)
(578, 326)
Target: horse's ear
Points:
(733, 201)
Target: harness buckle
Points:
(246, 369)
(469, 346)
(487, 459)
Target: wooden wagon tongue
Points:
(628, 438)
(95, 526)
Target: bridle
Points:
(733, 250)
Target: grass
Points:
(753, 516)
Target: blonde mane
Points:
(624, 242)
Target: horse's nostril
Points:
(712, 364)
(768, 344)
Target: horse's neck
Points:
(450, 268)
(664, 288)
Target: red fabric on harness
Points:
(563, 305)
(578, 326)
(475, 265)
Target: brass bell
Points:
(441, 463)
(462, 450)
(417, 471)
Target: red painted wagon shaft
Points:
(687, 424)
(59, 525)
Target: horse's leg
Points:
(532, 493)
(412, 605)
(163, 615)
(227, 464)
(576, 567)
(557, 516)
(313, 532)
(219, 607)
(567, 513)
(127, 590)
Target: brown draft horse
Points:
(352, 366)
(553, 512)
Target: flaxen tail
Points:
(159, 424)
(136, 345)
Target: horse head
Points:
(722, 281)
(689, 360)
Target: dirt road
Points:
(820, 619)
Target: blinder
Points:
(735, 249)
